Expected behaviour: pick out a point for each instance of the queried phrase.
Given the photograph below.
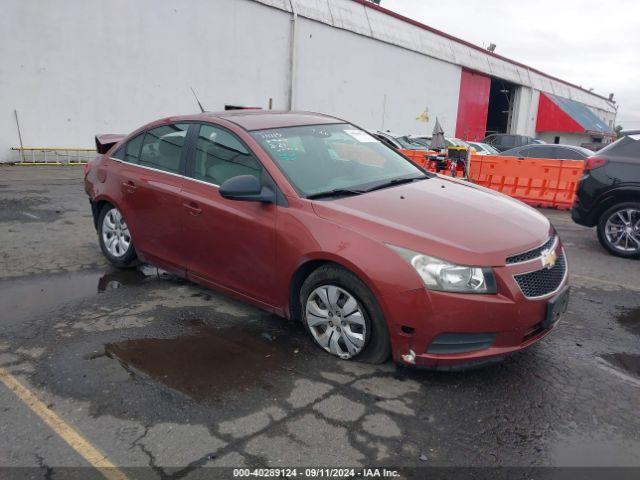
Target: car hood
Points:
(445, 218)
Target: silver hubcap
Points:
(623, 230)
(115, 233)
(336, 321)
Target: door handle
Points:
(130, 186)
(192, 208)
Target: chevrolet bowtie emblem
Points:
(549, 259)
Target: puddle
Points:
(213, 362)
(630, 319)
(132, 276)
(25, 297)
(597, 450)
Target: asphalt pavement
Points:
(160, 376)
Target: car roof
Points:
(543, 145)
(264, 119)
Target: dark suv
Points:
(505, 141)
(608, 197)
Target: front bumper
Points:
(424, 324)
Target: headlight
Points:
(447, 277)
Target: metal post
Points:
(15, 112)
(294, 55)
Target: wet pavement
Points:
(160, 373)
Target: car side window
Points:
(546, 152)
(119, 154)
(568, 154)
(131, 151)
(220, 155)
(162, 147)
(508, 141)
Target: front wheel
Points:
(115, 238)
(342, 316)
(619, 230)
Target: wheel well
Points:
(96, 208)
(298, 278)
(615, 199)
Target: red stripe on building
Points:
(551, 118)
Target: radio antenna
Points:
(196, 97)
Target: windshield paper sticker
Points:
(361, 136)
(279, 145)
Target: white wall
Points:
(356, 17)
(371, 83)
(525, 111)
(576, 139)
(74, 68)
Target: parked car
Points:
(398, 141)
(314, 219)
(555, 151)
(608, 196)
(424, 141)
(483, 148)
(504, 141)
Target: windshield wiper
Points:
(395, 181)
(338, 192)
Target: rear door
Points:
(151, 191)
(231, 243)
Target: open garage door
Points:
(501, 99)
(473, 103)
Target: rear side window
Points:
(220, 155)
(132, 150)
(568, 154)
(162, 147)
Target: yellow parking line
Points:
(65, 431)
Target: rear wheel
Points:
(342, 316)
(619, 230)
(115, 238)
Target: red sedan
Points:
(314, 219)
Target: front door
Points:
(230, 243)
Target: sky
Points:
(590, 43)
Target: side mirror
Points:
(247, 188)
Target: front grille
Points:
(543, 282)
(531, 254)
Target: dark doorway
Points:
(501, 96)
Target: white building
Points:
(72, 68)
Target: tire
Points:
(619, 230)
(353, 326)
(111, 225)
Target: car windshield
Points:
(491, 149)
(409, 143)
(426, 142)
(486, 147)
(337, 157)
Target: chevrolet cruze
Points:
(314, 219)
